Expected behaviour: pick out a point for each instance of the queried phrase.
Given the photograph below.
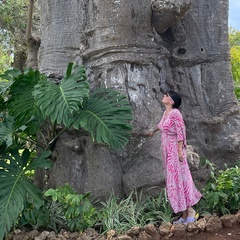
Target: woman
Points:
(182, 193)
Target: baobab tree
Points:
(141, 48)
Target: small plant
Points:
(48, 216)
(34, 217)
(121, 215)
(15, 187)
(78, 210)
(229, 182)
(158, 207)
(221, 194)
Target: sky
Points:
(234, 14)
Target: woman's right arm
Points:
(154, 131)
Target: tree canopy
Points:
(13, 24)
(234, 43)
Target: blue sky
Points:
(234, 14)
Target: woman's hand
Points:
(150, 134)
(180, 154)
(180, 158)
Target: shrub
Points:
(78, 210)
(221, 194)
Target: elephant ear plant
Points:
(32, 108)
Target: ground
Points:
(223, 234)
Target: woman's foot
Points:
(192, 216)
(191, 219)
(180, 220)
(191, 212)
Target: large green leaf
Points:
(106, 115)
(2, 104)
(6, 129)
(59, 102)
(10, 74)
(15, 187)
(21, 103)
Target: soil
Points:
(223, 234)
(208, 228)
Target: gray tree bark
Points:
(138, 47)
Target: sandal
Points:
(180, 220)
(191, 219)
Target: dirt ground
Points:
(223, 234)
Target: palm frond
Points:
(106, 115)
(15, 187)
(59, 102)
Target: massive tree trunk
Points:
(138, 47)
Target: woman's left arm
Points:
(181, 134)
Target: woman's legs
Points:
(190, 215)
(187, 216)
(183, 218)
(190, 212)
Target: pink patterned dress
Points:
(181, 190)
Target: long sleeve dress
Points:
(180, 187)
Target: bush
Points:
(221, 194)
(78, 210)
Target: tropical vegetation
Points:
(64, 208)
(35, 111)
(32, 107)
(13, 22)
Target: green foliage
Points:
(234, 37)
(234, 42)
(222, 192)
(235, 61)
(13, 21)
(158, 207)
(33, 105)
(13, 15)
(59, 102)
(5, 58)
(237, 92)
(15, 186)
(36, 217)
(121, 215)
(106, 115)
(50, 215)
(34, 101)
(229, 182)
(78, 210)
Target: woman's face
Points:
(167, 99)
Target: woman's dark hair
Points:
(175, 97)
